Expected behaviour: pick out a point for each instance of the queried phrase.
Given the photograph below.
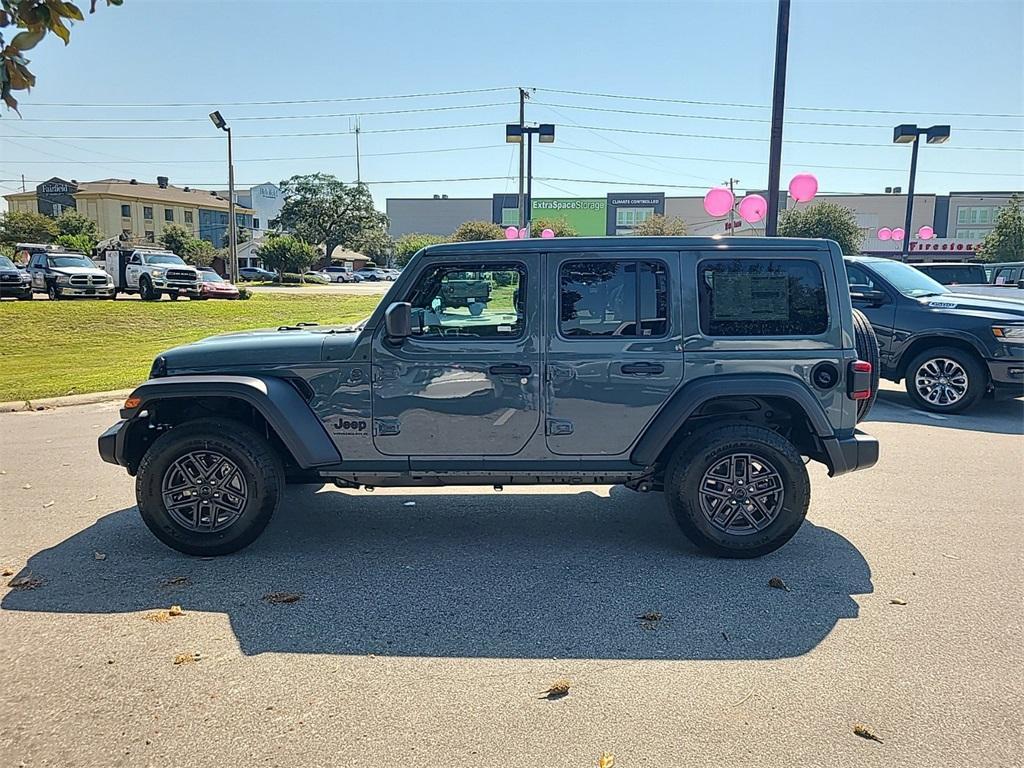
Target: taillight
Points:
(859, 382)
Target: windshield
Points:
(211, 277)
(907, 280)
(163, 258)
(70, 261)
(6, 263)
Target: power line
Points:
(273, 135)
(345, 99)
(767, 106)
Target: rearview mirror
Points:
(398, 321)
(869, 296)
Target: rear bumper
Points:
(111, 443)
(860, 451)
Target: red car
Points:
(213, 286)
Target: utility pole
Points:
(23, 182)
(778, 110)
(732, 209)
(523, 96)
(232, 236)
(359, 176)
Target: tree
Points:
(376, 244)
(180, 240)
(827, 220)
(37, 18)
(560, 227)
(26, 227)
(408, 245)
(477, 230)
(322, 210)
(660, 225)
(1006, 240)
(77, 231)
(285, 253)
(80, 243)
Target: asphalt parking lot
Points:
(429, 621)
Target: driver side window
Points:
(484, 301)
(857, 276)
(135, 259)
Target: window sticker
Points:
(750, 297)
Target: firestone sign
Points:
(944, 245)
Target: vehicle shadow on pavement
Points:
(482, 575)
(1004, 417)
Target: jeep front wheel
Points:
(209, 487)
(738, 490)
(945, 380)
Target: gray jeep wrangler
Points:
(703, 368)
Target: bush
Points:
(407, 245)
(244, 293)
(560, 227)
(478, 230)
(660, 225)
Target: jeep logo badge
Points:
(348, 425)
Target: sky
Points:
(855, 70)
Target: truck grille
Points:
(182, 274)
(10, 278)
(86, 281)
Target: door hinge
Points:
(559, 427)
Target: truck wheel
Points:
(209, 487)
(867, 350)
(53, 292)
(945, 380)
(738, 490)
(146, 291)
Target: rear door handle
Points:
(643, 369)
(510, 369)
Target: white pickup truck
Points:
(151, 273)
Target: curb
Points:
(47, 403)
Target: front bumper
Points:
(99, 291)
(859, 451)
(176, 285)
(111, 443)
(15, 289)
(1007, 376)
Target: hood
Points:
(77, 271)
(288, 345)
(966, 304)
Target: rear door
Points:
(614, 347)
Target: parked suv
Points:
(62, 274)
(950, 347)
(13, 281)
(707, 369)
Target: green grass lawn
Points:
(50, 348)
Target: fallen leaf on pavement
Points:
(7, 572)
(99, 555)
(897, 601)
(176, 581)
(776, 583)
(162, 616)
(25, 582)
(950, 557)
(27, 486)
(865, 733)
(277, 598)
(557, 690)
(47, 505)
(175, 610)
(650, 616)
(92, 498)
(187, 658)
(606, 760)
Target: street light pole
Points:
(910, 201)
(529, 182)
(520, 134)
(911, 134)
(218, 120)
(522, 126)
(778, 112)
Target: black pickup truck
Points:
(950, 347)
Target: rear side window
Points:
(761, 297)
(609, 298)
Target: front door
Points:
(133, 270)
(614, 352)
(467, 382)
(882, 316)
(37, 271)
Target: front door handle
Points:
(643, 369)
(510, 369)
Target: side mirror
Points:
(870, 296)
(1020, 284)
(398, 321)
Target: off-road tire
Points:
(53, 292)
(977, 379)
(703, 451)
(146, 290)
(257, 462)
(866, 344)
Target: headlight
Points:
(26, 277)
(157, 273)
(1009, 334)
(63, 279)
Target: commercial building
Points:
(960, 220)
(134, 209)
(264, 200)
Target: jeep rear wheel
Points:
(209, 487)
(945, 380)
(738, 490)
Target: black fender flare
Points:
(275, 399)
(936, 337)
(691, 396)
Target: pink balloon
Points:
(547, 233)
(511, 233)
(718, 201)
(898, 233)
(926, 233)
(803, 187)
(753, 208)
(885, 234)
(523, 233)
